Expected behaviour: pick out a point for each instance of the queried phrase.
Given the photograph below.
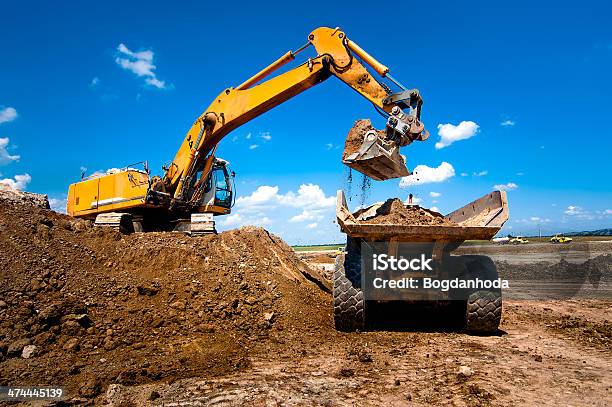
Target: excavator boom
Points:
(335, 57)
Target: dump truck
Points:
(353, 289)
(196, 185)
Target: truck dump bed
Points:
(478, 220)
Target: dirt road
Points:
(549, 353)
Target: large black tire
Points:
(483, 308)
(349, 304)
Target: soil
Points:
(100, 307)
(356, 135)
(393, 211)
(13, 196)
(238, 319)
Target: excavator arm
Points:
(335, 56)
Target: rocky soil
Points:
(87, 307)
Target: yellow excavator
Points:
(197, 185)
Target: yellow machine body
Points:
(117, 191)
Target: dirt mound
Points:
(393, 211)
(86, 307)
(10, 195)
(356, 135)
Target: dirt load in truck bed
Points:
(393, 211)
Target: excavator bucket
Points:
(368, 151)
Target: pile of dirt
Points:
(86, 307)
(10, 195)
(356, 135)
(393, 211)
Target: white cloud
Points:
(574, 210)
(248, 136)
(505, 187)
(266, 136)
(608, 212)
(415, 200)
(19, 182)
(520, 174)
(58, 204)
(434, 208)
(309, 196)
(312, 225)
(265, 202)
(262, 221)
(156, 82)
(538, 219)
(253, 146)
(435, 194)
(5, 157)
(481, 173)
(329, 146)
(233, 219)
(423, 174)
(8, 114)
(578, 212)
(263, 196)
(508, 123)
(94, 82)
(139, 63)
(306, 215)
(464, 174)
(533, 220)
(449, 133)
(237, 219)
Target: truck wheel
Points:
(483, 308)
(349, 305)
(483, 312)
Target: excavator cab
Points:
(218, 190)
(221, 177)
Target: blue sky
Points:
(534, 80)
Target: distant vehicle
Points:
(501, 240)
(560, 239)
(518, 240)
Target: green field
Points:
(336, 246)
(316, 248)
